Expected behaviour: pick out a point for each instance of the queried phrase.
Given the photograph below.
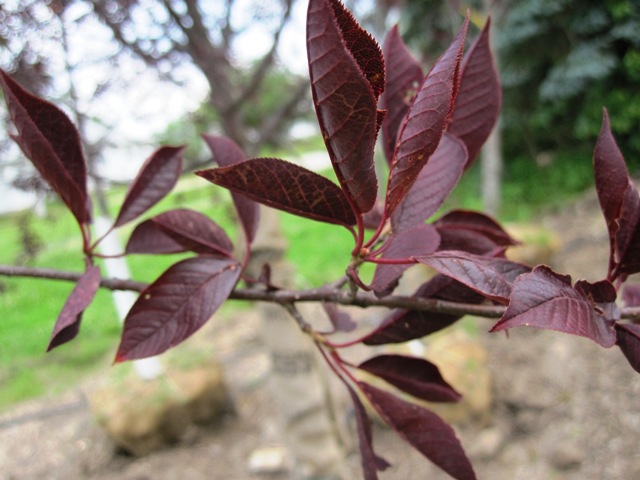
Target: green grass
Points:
(527, 189)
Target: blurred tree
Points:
(561, 62)
(165, 34)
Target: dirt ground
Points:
(563, 408)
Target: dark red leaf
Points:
(545, 299)
(285, 186)
(373, 217)
(341, 321)
(52, 143)
(611, 175)
(480, 96)
(68, 324)
(226, 152)
(423, 430)
(155, 180)
(195, 231)
(177, 304)
(628, 339)
(474, 223)
(433, 185)
(149, 237)
(491, 277)
(425, 122)
(371, 462)
(404, 325)
(617, 195)
(627, 239)
(415, 376)
(631, 295)
(404, 76)
(421, 240)
(347, 75)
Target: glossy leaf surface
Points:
(404, 76)
(226, 152)
(415, 376)
(195, 231)
(423, 430)
(177, 304)
(157, 177)
(433, 185)
(68, 324)
(491, 277)
(149, 237)
(52, 143)
(545, 299)
(285, 186)
(421, 240)
(474, 223)
(347, 76)
(479, 98)
(426, 121)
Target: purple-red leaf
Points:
(404, 325)
(423, 430)
(347, 76)
(404, 76)
(421, 240)
(491, 277)
(52, 143)
(480, 96)
(477, 223)
(611, 175)
(177, 304)
(628, 339)
(627, 239)
(472, 232)
(426, 121)
(631, 295)
(155, 180)
(226, 152)
(545, 299)
(415, 376)
(285, 186)
(371, 462)
(149, 237)
(68, 324)
(341, 321)
(617, 195)
(195, 231)
(434, 183)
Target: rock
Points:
(566, 456)
(141, 416)
(462, 361)
(487, 444)
(269, 460)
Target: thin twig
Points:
(325, 293)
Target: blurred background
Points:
(136, 74)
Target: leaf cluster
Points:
(431, 127)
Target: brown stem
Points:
(287, 297)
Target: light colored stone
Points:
(141, 416)
(269, 460)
